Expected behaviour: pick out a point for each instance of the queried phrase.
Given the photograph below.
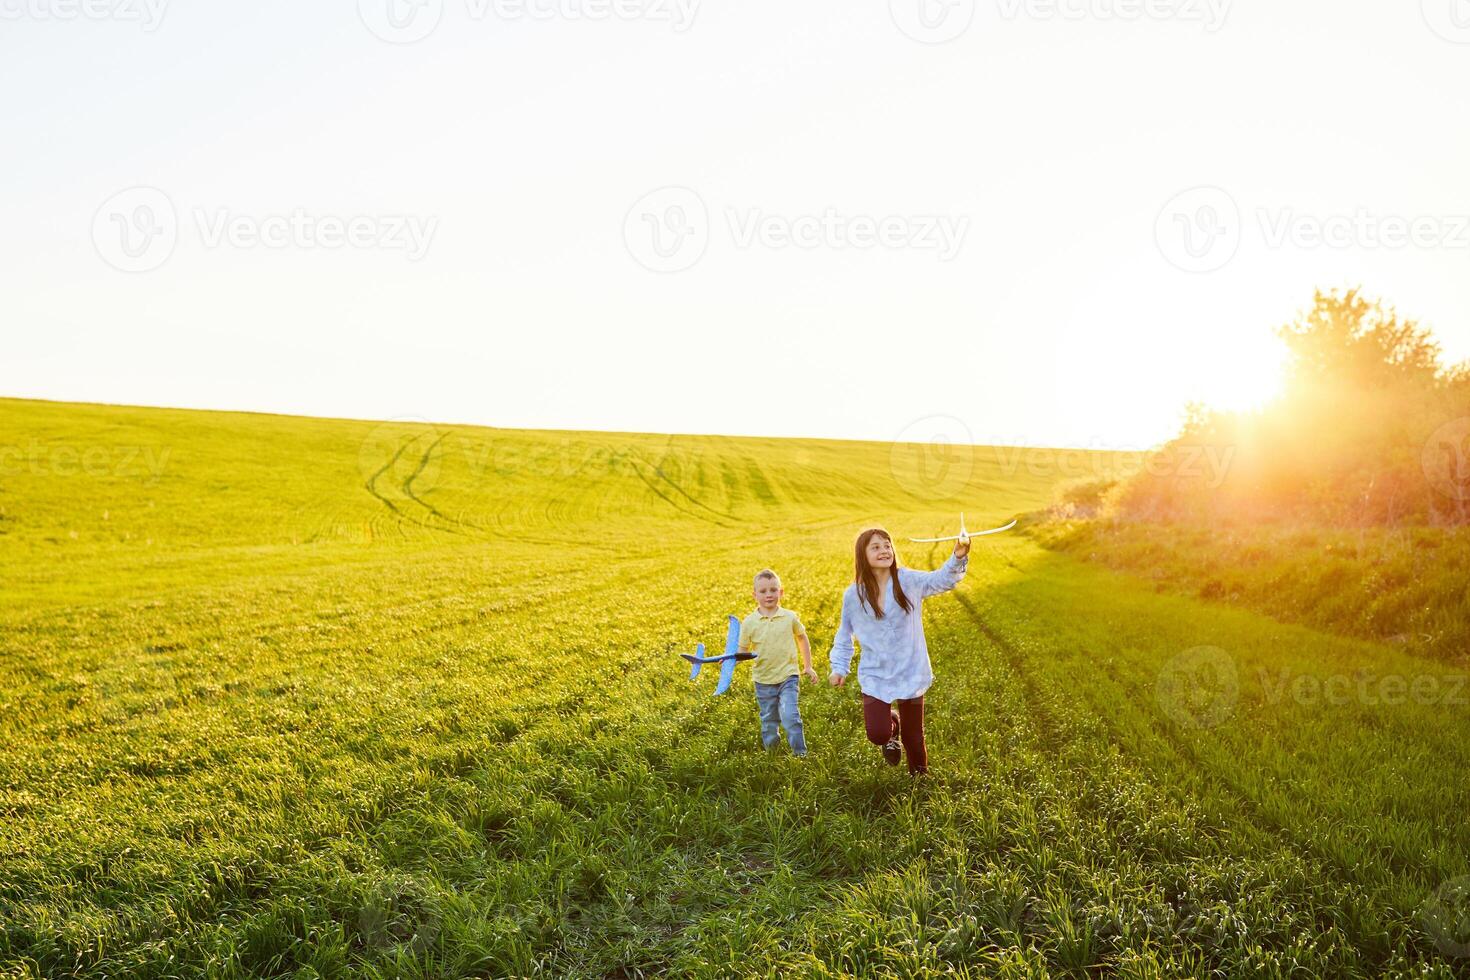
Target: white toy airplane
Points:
(964, 535)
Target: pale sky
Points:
(988, 195)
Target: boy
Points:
(775, 634)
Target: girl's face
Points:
(879, 552)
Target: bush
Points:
(1082, 498)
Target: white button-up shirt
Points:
(895, 659)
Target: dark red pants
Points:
(878, 718)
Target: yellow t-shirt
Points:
(773, 639)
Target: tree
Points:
(1346, 443)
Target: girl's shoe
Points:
(893, 751)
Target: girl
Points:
(881, 609)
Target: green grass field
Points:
(316, 698)
(1406, 586)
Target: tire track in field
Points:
(758, 481)
(1245, 809)
(395, 526)
(679, 489)
(403, 517)
(372, 481)
(1242, 808)
(365, 815)
(407, 488)
(672, 502)
(1227, 792)
(1053, 739)
(1229, 795)
(463, 528)
(1048, 729)
(1057, 744)
(1232, 795)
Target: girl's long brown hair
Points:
(867, 579)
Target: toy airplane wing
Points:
(727, 660)
(732, 637)
(727, 674)
(965, 533)
(732, 656)
(697, 658)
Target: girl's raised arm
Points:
(942, 579)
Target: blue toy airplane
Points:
(729, 658)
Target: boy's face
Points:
(880, 552)
(768, 594)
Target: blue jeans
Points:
(777, 704)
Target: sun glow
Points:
(1239, 379)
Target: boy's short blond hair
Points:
(766, 573)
